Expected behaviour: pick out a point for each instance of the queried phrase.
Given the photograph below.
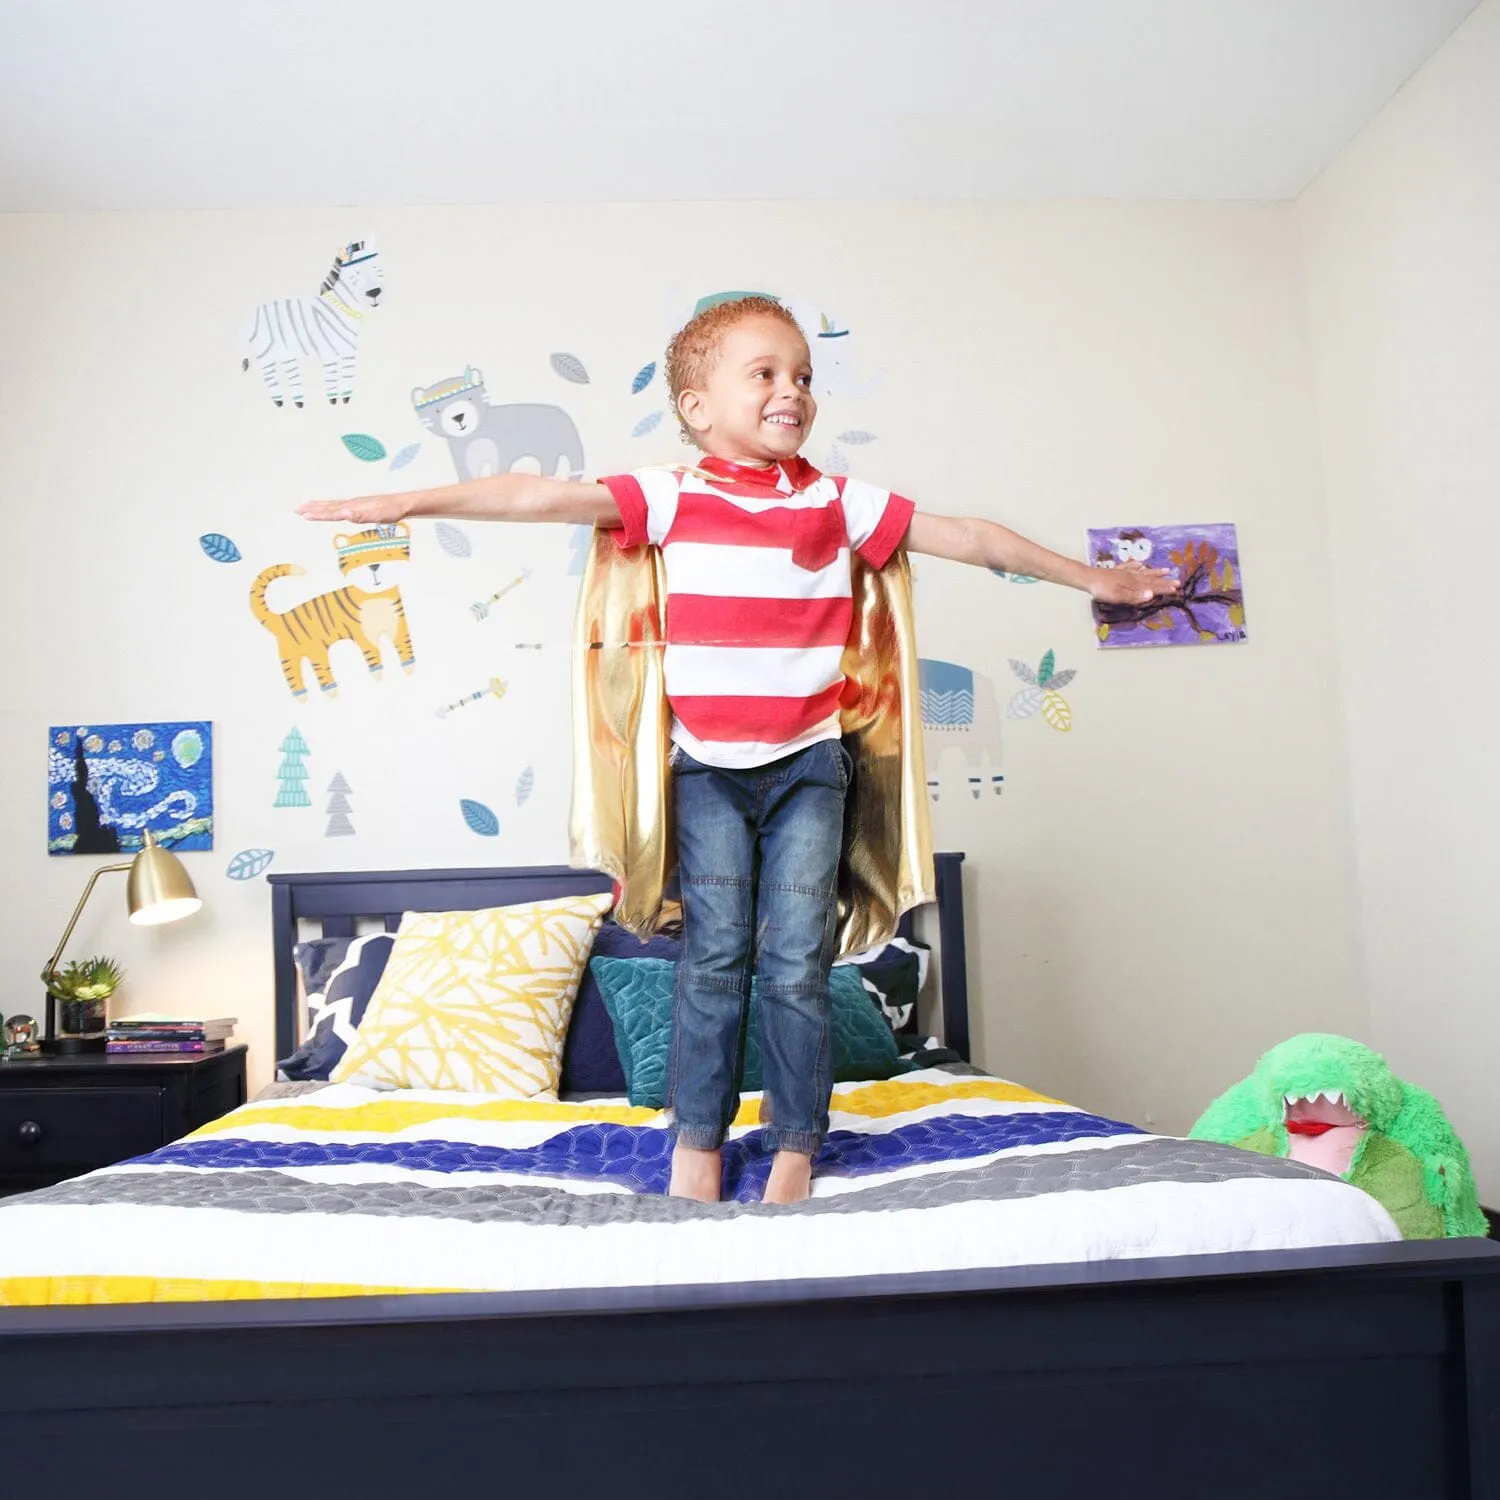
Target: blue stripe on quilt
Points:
(639, 1157)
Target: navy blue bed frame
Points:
(1370, 1371)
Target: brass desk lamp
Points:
(158, 889)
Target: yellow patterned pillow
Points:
(477, 1000)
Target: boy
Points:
(756, 547)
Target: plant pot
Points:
(82, 1017)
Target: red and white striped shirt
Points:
(759, 602)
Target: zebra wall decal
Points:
(280, 334)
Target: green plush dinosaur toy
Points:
(1335, 1104)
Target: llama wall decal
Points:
(827, 343)
(831, 350)
(959, 708)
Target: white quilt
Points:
(349, 1191)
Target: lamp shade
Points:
(158, 889)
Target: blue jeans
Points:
(758, 858)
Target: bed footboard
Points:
(1372, 1372)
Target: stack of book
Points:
(152, 1033)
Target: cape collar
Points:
(799, 473)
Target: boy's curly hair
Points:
(691, 352)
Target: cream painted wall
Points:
(1402, 245)
(1160, 893)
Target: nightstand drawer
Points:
(83, 1127)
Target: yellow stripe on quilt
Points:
(386, 1115)
(896, 1098)
(381, 1115)
(77, 1291)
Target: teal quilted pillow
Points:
(638, 995)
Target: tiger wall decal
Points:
(306, 631)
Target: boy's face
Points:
(754, 405)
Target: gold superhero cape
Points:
(621, 817)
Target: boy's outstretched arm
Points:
(501, 497)
(987, 545)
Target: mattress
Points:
(346, 1191)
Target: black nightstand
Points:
(60, 1116)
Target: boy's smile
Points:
(755, 404)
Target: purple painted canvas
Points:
(1206, 561)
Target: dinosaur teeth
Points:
(1323, 1096)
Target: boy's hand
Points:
(1130, 583)
(366, 510)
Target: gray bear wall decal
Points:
(487, 439)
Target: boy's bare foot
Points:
(791, 1178)
(695, 1174)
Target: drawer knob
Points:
(29, 1132)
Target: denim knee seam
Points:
(729, 984)
(792, 989)
(817, 892)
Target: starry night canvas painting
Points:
(108, 783)
(1209, 609)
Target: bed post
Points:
(1481, 1346)
(284, 940)
(953, 960)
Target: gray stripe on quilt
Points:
(263, 1190)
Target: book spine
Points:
(122, 1034)
(172, 1028)
(186, 1023)
(169, 1033)
(159, 1047)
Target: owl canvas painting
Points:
(1209, 608)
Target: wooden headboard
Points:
(337, 901)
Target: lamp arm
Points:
(49, 972)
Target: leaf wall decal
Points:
(570, 367)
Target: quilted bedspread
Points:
(350, 1191)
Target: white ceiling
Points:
(148, 104)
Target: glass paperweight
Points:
(20, 1034)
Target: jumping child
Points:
(756, 545)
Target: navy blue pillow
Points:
(318, 959)
(892, 975)
(338, 975)
(591, 1060)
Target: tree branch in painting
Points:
(1204, 581)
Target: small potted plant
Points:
(84, 988)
